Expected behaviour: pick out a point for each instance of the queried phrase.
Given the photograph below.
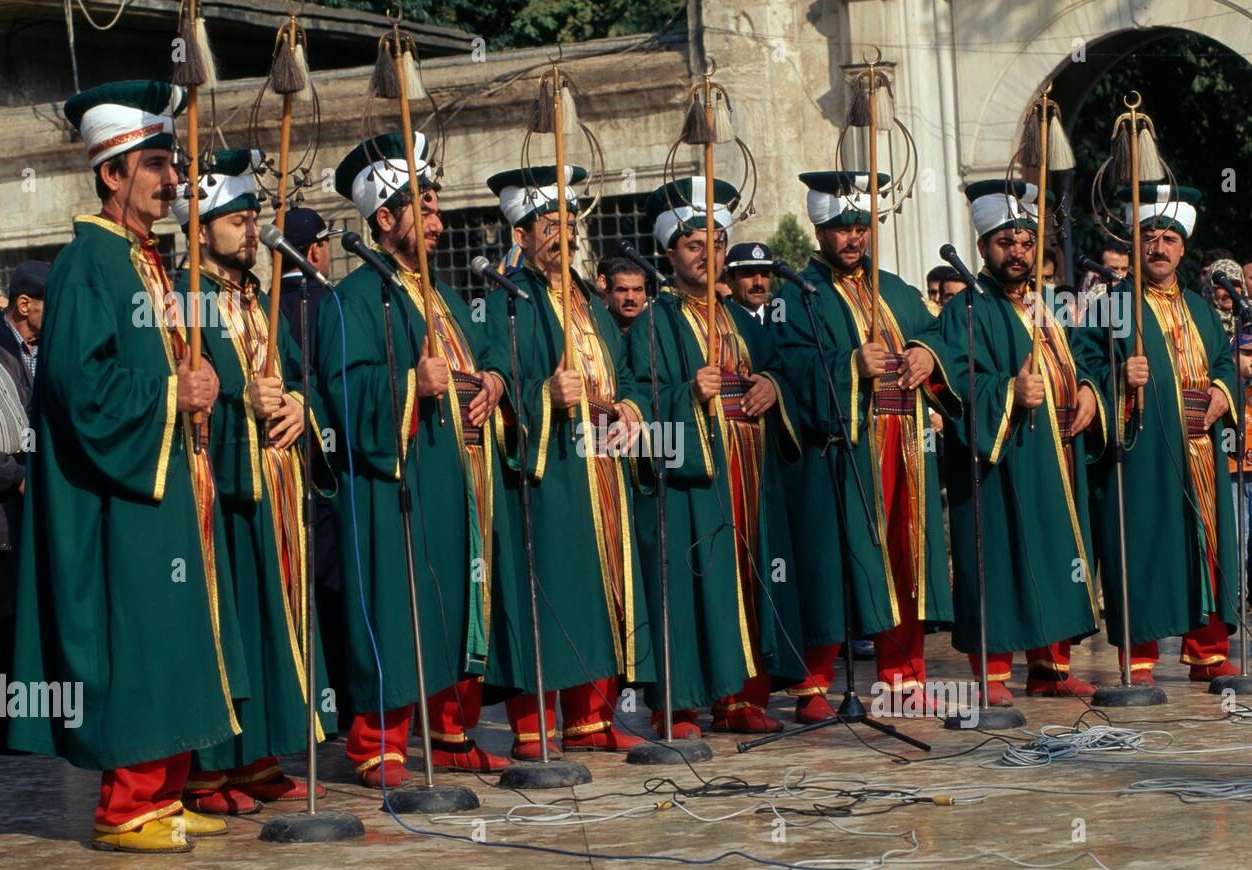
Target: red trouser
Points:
(371, 741)
(261, 770)
(819, 668)
(898, 651)
(132, 796)
(1206, 645)
(585, 709)
(755, 693)
(1053, 657)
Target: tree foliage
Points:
(791, 243)
(522, 23)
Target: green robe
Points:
(1167, 571)
(828, 515)
(460, 576)
(113, 588)
(274, 719)
(711, 651)
(581, 638)
(1036, 531)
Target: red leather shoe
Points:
(814, 708)
(1204, 673)
(529, 750)
(608, 740)
(747, 720)
(390, 773)
(685, 725)
(280, 788)
(998, 694)
(466, 757)
(224, 801)
(1049, 687)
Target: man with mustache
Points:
(461, 537)
(1034, 422)
(1182, 555)
(625, 293)
(124, 583)
(257, 465)
(734, 613)
(748, 266)
(883, 382)
(591, 606)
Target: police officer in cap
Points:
(749, 265)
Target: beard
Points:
(1009, 271)
(240, 259)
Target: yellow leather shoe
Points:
(159, 835)
(196, 825)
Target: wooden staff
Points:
(195, 70)
(433, 348)
(1041, 200)
(710, 238)
(286, 42)
(1135, 235)
(873, 203)
(562, 214)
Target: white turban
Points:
(109, 129)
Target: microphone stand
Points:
(1125, 694)
(425, 798)
(545, 773)
(851, 710)
(1241, 682)
(984, 716)
(670, 750)
(309, 826)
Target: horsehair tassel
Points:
(696, 129)
(884, 106)
(1150, 166)
(1060, 154)
(1123, 172)
(570, 121)
(723, 129)
(290, 71)
(384, 83)
(858, 112)
(197, 68)
(543, 112)
(413, 88)
(1031, 151)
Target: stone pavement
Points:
(45, 805)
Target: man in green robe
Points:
(462, 554)
(591, 604)
(124, 597)
(724, 429)
(1036, 532)
(1182, 554)
(883, 383)
(256, 453)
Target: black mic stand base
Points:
(986, 719)
(851, 712)
(541, 774)
(430, 799)
(670, 752)
(1239, 683)
(324, 826)
(1133, 696)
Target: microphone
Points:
(353, 244)
(628, 251)
(782, 270)
(948, 253)
(1089, 265)
(481, 267)
(1245, 305)
(273, 239)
